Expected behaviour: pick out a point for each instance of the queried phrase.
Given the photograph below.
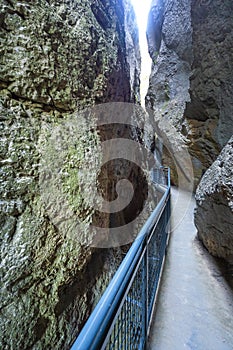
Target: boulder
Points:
(214, 212)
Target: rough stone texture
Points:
(191, 82)
(191, 88)
(209, 114)
(214, 213)
(169, 36)
(154, 28)
(132, 51)
(56, 57)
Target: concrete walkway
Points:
(195, 304)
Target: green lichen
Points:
(55, 58)
(70, 163)
(76, 172)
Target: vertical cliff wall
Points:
(191, 79)
(191, 87)
(210, 121)
(209, 114)
(57, 57)
(169, 35)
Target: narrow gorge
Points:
(191, 87)
(60, 60)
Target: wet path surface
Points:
(195, 304)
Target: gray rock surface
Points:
(191, 83)
(169, 81)
(56, 57)
(154, 28)
(209, 114)
(214, 213)
(191, 89)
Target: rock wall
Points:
(191, 88)
(169, 34)
(57, 57)
(214, 213)
(191, 80)
(209, 114)
(210, 121)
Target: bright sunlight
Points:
(141, 8)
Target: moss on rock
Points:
(57, 57)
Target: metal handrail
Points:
(97, 330)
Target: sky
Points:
(141, 8)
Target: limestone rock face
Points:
(214, 213)
(191, 88)
(191, 82)
(57, 57)
(169, 34)
(209, 114)
(154, 27)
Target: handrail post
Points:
(145, 298)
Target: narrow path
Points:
(195, 304)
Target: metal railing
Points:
(122, 318)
